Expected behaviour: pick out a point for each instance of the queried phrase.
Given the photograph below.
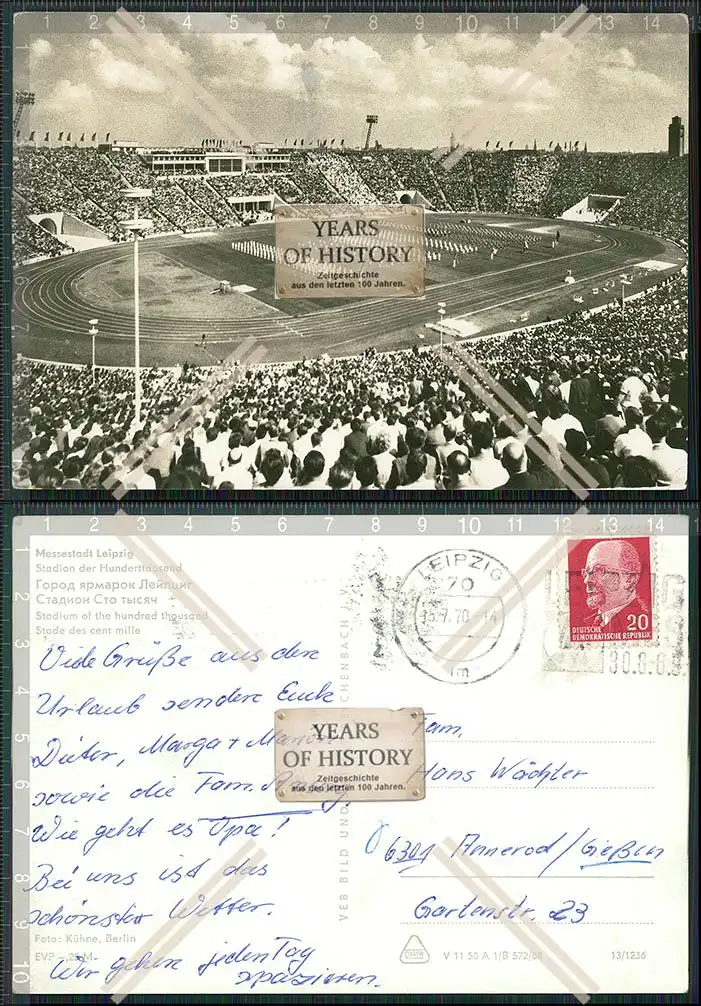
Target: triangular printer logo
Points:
(414, 952)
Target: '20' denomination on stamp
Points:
(349, 754)
(610, 589)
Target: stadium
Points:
(199, 243)
(561, 270)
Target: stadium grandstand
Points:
(606, 382)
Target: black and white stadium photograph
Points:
(365, 252)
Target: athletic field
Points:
(54, 300)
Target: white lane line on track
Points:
(321, 316)
(315, 322)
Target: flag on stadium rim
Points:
(486, 144)
(60, 135)
(32, 134)
(82, 138)
(94, 137)
(107, 137)
(550, 144)
(47, 137)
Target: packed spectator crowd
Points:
(341, 173)
(533, 176)
(607, 389)
(87, 183)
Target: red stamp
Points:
(610, 592)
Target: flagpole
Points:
(137, 227)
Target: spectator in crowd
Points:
(485, 471)
(608, 426)
(560, 421)
(543, 464)
(671, 464)
(444, 450)
(636, 473)
(416, 473)
(515, 461)
(633, 440)
(578, 448)
(366, 472)
(273, 473)
(383, 457)
(312, 475)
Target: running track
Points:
(48, 312)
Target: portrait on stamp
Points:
(610, 594)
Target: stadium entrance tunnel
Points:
(411, 197)
(52, 223)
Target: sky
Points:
(615, 89)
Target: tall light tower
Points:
(22, 100)
(441, 316)
(137, 227)
(92, 332)
(371, 121)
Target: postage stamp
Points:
(610, 590)
(354, 754)
(459, 594)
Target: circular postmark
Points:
(459, 615)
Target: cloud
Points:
(259, 60)
(120, 74)
(531, 107)
(626, 58)
(535, 87)
(352, 65)
(40, 48)
(66, 96)
(631, 84)
(482, 43)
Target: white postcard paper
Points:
(548, 855)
